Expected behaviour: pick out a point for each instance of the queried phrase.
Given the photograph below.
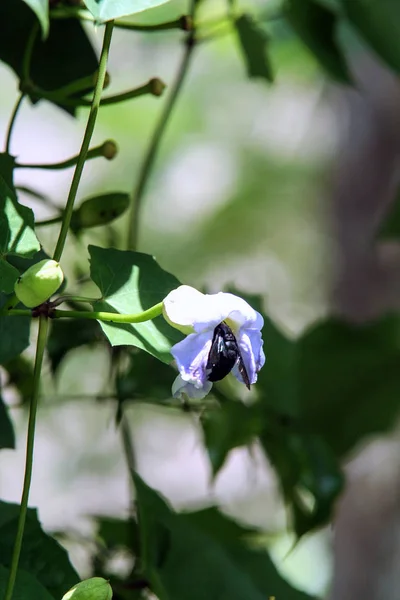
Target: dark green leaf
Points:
(20, 375)
(104, 10)
(316, 26)
(41, 10)
(118, 532)
(146, 377)
(7, 437)
(349, 383)
(379, 24)
(253, 42)
(8, 276)
(41, 555)
(216, 558)
(56, 62)
(228, 427)
(99, 210)
(27, 587)
(308, 471)
(67, 334)
(131, 282)
(14, 334)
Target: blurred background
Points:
(275, 189)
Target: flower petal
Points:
(182, 306)
(250, 344)
(180, 387)
(191, 356)
(238, 312)
(186, 309)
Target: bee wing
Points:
(243, 372)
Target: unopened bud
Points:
(39, 282)
(95, 588)
(156, 86)
(110, 149)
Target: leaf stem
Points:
(26, 63)
(69, 207)
(106, 317)
(12, 122)
(96, 152)
(40, 348)
(155, 141)
(147, 88)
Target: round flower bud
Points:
(39, 282)
(110, 149)
(95, 588)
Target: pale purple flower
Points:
(197, 315)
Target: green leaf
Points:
(118, 532)
(253, 43)
(7, 437)
(67, 334)
(41, 555)
(145, 378)
(26, 587)
(232, 425)
(14, 334)
(309, 474)
(131, 282)
(17, 235)
(214, 556)
(20, 375)
(99, 210)
(8, 276)
(349, 384)
(316, 26)
(104, 10)
(55, 62)
(379, 24)
(41, 10)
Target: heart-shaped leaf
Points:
(130, 283)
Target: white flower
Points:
(223, 323)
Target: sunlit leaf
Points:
(131, 282)
(105, 10)
(41, 10)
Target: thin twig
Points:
(158, 133)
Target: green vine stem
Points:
(12, 122)
(107, 150)
(155, 141)
(106, 317)
(40, 348)
(69, 207)
(154, 86)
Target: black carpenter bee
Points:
(224, 354)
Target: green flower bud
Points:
(95, 588)
(39, 282)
